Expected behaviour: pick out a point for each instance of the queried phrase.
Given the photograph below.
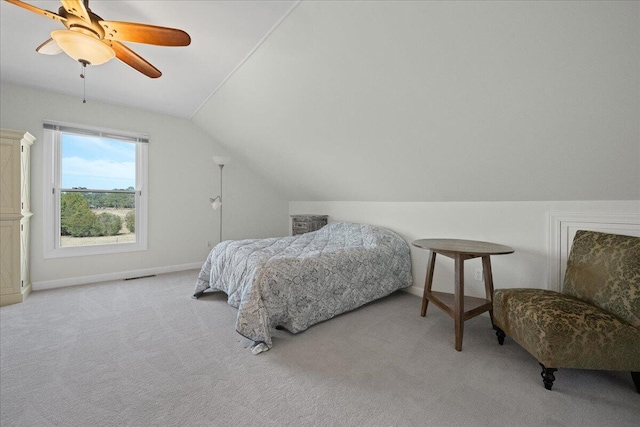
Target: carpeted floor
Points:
(143, 353)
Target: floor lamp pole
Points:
(221, 166)
(216, 203)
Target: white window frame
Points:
(52, 169)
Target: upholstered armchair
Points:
(594, 323)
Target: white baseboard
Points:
(74, 281)
(415, 290)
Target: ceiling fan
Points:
(93, 41)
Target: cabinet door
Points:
(10, 262)
(10, 163)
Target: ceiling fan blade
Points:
(133, 60)
(77, 8)
(143, 33)
(50, 47)
(37, 10)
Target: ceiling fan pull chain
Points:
(83, 72)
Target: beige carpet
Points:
(143, 353)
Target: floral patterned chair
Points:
(594, 323)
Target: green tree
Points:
(84, 223)
(76, 219)
(110, 224)
(130, 220)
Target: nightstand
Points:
(301, 224)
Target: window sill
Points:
(75, 251)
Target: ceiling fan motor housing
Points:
(89, 25)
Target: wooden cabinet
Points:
(15, 215)
(301, 224)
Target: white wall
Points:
(524, 226)
(182, 176)
(442, 101)
(452, 119)
(392, 101)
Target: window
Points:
(95, 185)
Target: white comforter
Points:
(297, 281)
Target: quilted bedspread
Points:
(297, 281)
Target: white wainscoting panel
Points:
(563, 227)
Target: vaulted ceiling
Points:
(223, 35)
(384, 100)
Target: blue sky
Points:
(97, 163)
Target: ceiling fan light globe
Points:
(82, 47)
(50, 47)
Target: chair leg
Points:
(500, 334)
(547, 376)
(636, 380)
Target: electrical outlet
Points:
(478, 275)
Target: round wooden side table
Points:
(457, 305)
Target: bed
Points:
(297, 281)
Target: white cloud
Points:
(98, 168)
(97, 174)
